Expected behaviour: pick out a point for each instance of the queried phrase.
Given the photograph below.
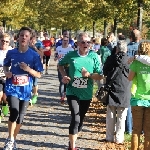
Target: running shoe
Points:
(69, 148)
(5, 110)
(15, 146)
(62, 100)
(46, 72)
(8, 145)
(34, 99)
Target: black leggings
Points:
(78, 110)
(46, 60)
(17, 109)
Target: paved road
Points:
(46, 124)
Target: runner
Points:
(47, 52)
(4, 47)
(37, 47)
(66, 34)
(24, 64)
(84, 65)
(61, 51)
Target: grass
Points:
(127, 137)
(95, 88)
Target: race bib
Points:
(1, 72)
(20, 80)
(80, 83)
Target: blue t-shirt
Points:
(39, 45)
(20, 84)
(132, 48)
(59, 43)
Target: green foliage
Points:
(70, 14)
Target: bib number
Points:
(20, 80)
(80, 83)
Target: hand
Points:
(8, 74)
(55, 59)
(85, 73)
(131, 59)
(24, 66)
(47, 48)
(66, 79)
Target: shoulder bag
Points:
(103, 92)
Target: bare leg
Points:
(1, 96)
(11, 129)
(46, 68)
(35, 90)
(72, 139)
(4, 98)
(17, 129)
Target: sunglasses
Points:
(83, 42)
(65, 40)
(4, 41)
(65, 36)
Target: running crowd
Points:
(81, 62)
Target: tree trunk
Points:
(140, 14)
(85, 28)
(115, 27)
(94, 28)
(4, 25)
(105, 29)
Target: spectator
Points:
(140, 100)
(119, 93)
(111, 41)
(135, 37)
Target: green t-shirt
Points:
(104, 52)
(142, 93)
(80, 86)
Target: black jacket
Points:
(119, 94)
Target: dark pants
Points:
(128, 123)
(78, 110)
(62, 86)
(17, 109)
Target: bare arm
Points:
(131, 75)
(65, 78)
(39, 51)
(34, 73)
(94, 76)
(6, 69)
(62, 70)
(8, 74)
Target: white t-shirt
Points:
(63, 51)
(2, 57)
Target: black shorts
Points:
(46, 60)
(2, 85)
